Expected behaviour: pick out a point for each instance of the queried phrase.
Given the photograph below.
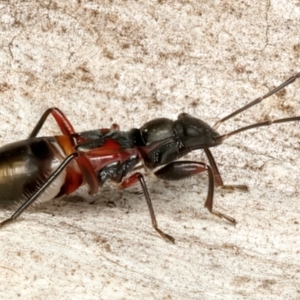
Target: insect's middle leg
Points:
(179, 170)
(138, 177)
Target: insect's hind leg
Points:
(60, 118)
(217, 176)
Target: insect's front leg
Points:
(217, 176)
(179, 170)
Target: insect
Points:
(44, 168)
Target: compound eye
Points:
(192, 131)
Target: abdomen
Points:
(25, 165)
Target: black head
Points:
(194, 133)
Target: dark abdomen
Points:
(24, 165)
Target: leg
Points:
(41, 189)
(138, 177)
(62, 121)
(183, 169)
(217, 176)
(88, 173)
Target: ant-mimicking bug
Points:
(44, 168)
